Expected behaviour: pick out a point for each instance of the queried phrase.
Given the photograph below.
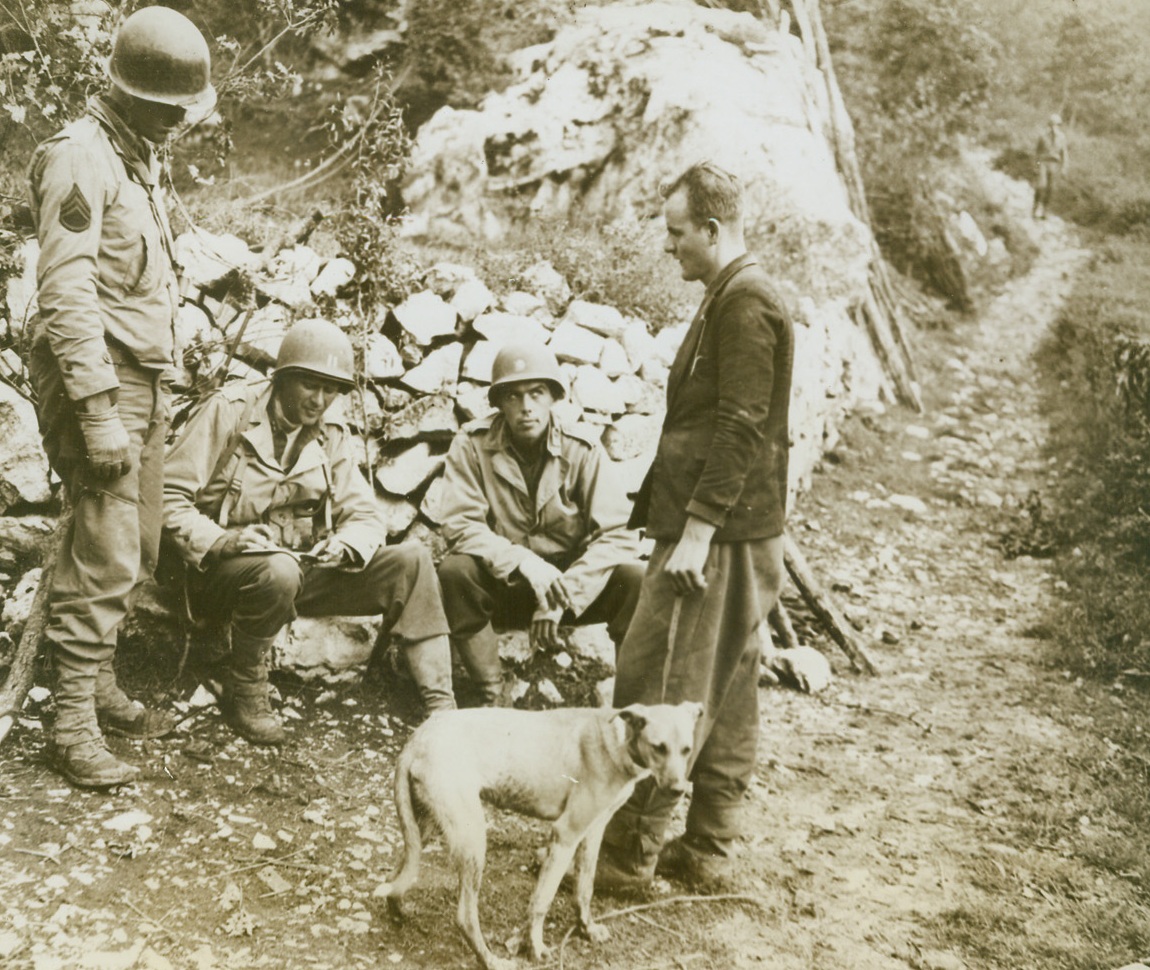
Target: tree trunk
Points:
(19, 679)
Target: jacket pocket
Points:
(123, 263)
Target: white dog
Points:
(572, 766)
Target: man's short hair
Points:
(712, 193)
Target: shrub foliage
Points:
(1096, 362)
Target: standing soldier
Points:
(101, 351)
(1051, 156)
(714, 501)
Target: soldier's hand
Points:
(545, 631)
(331, 551)
(106, 442)
(547, 582)
(246, 539)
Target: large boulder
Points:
(23, 467)
(606, 112)
(602, 115)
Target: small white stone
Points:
(334, 276)
(614, 361)
(381, 358)
(595, 392)
(571, 342)
(402, 474)
(127, 821)
(501, 327)
(438, 372)
(596, 317)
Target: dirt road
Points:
(917, 819)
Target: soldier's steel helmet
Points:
(160, 55)
(517, 362)
(320, 348)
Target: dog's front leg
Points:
(586, 858)
(559, 857)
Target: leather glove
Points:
(106, 443)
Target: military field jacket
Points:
(105, 271)
(203, 496)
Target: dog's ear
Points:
(697, 707)
(634, 716)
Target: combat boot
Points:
(695, 865)
(479, 653)
(245, 702)
(118, 714)
(76, 749)
(429, 662)
(89, 764)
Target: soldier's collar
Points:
(279, 422)
(133, 149)
(277, 418)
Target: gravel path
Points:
(885, 807)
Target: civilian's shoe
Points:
(89, 764)
(694, 867)
(611, 877)
(137, 722)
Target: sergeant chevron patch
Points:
(75, 213)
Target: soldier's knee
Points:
(458, 572)
(279, 579)
(412, 558)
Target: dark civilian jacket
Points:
(722, 454)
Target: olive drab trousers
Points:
(698, 647)
(259, 594)
(113, 542)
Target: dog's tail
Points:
(404, 875)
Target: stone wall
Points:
(626, 98)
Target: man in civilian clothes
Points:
(714, 501)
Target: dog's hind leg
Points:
(407, 871)
(464, 830)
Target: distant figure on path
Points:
(1051, 158)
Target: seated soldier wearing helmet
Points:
(265, 503)
(536, 520)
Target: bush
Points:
(619, 264)
(916, 75)
(367, 229)
(1096, 370)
